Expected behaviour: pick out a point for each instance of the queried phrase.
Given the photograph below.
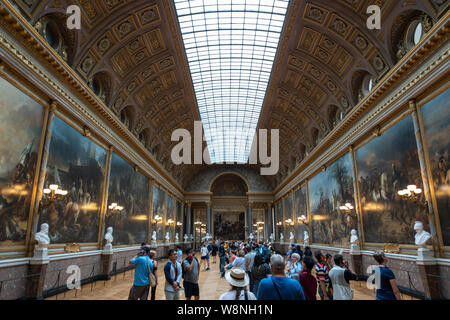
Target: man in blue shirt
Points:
(278, 286)
(141, 285)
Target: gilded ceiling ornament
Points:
(125, 28)
(87, 64)
(339, 26)
(361, 43)
(104, 44)
(148, 16)
(89, 8)
(378, 63)
(316, 14)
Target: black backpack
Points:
(183, 267)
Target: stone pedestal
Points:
(37, 273)
(356, 262)
(429, 273)
(106, 262)
(160, 251)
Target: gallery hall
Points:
(224, 150)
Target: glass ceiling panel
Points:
(230, 46)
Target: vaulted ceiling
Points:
(136, 51)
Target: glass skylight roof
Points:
(230, 46)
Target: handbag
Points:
(151, 277)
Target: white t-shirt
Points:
(204, 251)
(231, 295)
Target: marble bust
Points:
(154, 236)
(421, 236)
(42, 236)
(167, 236)
(271, 237)
(186, 237)
(281, 237)
(177, 238)
(108, 235)
(191, 237)
(250, 236)
(354, 241)
(305, 238)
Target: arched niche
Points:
(229, 184)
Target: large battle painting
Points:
(328, 191)
(229, 226)
(76, 164)
(158, 211)
(436, 120)
(279, 220)
(301, 209)
(386, 165)
(170, 216)
(288, 214)
(21, 121)
(129, 189)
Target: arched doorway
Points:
(229, 203)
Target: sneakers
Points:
(207, 269)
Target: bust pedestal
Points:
(429, 272)
(106, 262)
(37, 271)
(356, 259)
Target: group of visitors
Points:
(256, 271)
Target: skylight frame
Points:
(230, 47)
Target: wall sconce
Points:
(197, 223)
(51, 194)
(302, 219)
(347, 209)
(412, 193)
(179, 224)
(279, 223)
(114, 208)
(157, 219)
(289, 222)
(170, 222)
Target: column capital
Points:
(53, 105)
(250, 204)
(188, 203)
(208, 203)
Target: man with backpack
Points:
(191, 268)
(141, 284)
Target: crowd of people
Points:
(255, 271)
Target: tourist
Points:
(299, 251)
(329, 261)
(141, 285)
(249, 260)
(278, 286)
(143, 245)
(222, 257)
(233, 256)
(307, 280)
(323, 281)
(387, 286)
(191, 268)
(295, 267)
(179, 254)
(238, 261)
(205, 256)
(152, 256)
(172, 272)
(238, 279)
(308, 252)
(340, 277)
(289, 252)
(260, 270)
(214, 252)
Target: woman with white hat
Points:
(238, 279)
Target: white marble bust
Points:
(191, 237)
(42, 236)
(354, 237)
(167, 236)
(108, 235)
(186, 237)
(154, 236)
(271, 237)
(281, 237)
(250, 236)
(421, 236)
(305, 238)
(177, 238)
(291, 236)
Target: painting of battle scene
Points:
(179, 220)
(301, 209)
(21, 120)
(279, 220)
(436, 121)
(170, 215)
(328, 191)
(129, 189)
(288, 213)
(75, 164)
(229, 225)
(386, 165)
(158, 210)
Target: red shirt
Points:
(309, 285)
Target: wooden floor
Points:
(211, 287)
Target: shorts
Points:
(191, 289)
(205, 257)
(171, 295)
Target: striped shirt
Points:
(322, 272)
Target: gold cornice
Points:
(29, 37)
(433, 39)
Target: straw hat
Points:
(237, 277)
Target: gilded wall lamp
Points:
(157, 219)
(289, 222)
(113, 209)
(302, 219)
(170, 222)
(51, 194)
(412, 193)
(347, 209)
